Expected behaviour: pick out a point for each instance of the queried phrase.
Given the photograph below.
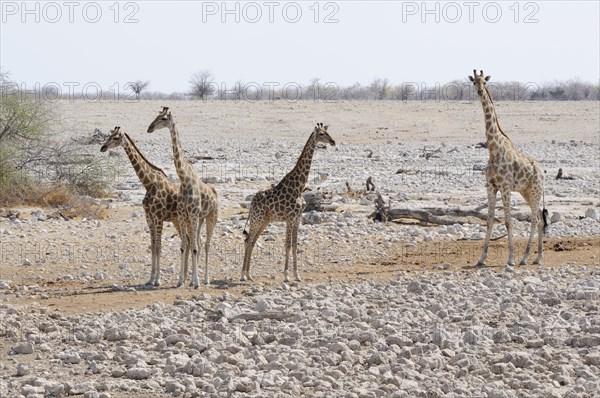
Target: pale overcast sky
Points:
(281, 41)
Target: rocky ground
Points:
(385, 309)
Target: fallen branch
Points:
(426, 216)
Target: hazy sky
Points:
(103, 43)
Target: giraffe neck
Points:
(495, 137)
(298, 177)
(146, 171)
(183, 167)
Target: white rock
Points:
(23, 348)
(138, 373)
(591, 213)
(262, 305)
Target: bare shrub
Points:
(35, 169)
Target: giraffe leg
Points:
(158, 248)
(152, 227)
(491, 194)
(258, 223)
(538, 260)
(508, 223)
(295, 248)
(211, 222)
(534, 205)
(185, 250)
(289, 231)
(194, 247)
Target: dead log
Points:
(381, 210)
(370, 185)
(426, 216)
(560, 176)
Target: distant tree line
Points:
(204, 86)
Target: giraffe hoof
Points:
(207, 282)
(179, 284)
(298, 279)
(537, 262)
(523, 262)
(510, 263)
(149, 283)
(480, 264)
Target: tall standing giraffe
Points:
(196, 201)
(283, 202)
(160, 202)
(509, 170)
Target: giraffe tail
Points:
(545, 218)
(245, 225)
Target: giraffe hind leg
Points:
(211, 222)
(534, 203)
(542, 226)
(257, 226)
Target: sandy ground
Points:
(210, 128)
(94, 266)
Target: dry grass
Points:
(54, 196)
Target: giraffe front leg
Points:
(185, 252)
(158, 249)
(288, 246)
(508, 224)
(153, 251)
(295, 248)
(194, 248)
(491, 194)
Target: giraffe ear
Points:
(487, 78)
(325, 127)
(471, 78)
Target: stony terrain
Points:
(385, 309)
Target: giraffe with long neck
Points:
(160, 202)
(509, 170)
(196, 202)
(283, 202)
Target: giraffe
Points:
(196, 202)
(160, 202)
(509, 170)
(283, 202)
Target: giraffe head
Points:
(322, 135)
(479, 81)
(164, 119)
(114, 140)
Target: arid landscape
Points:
(391, 308)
